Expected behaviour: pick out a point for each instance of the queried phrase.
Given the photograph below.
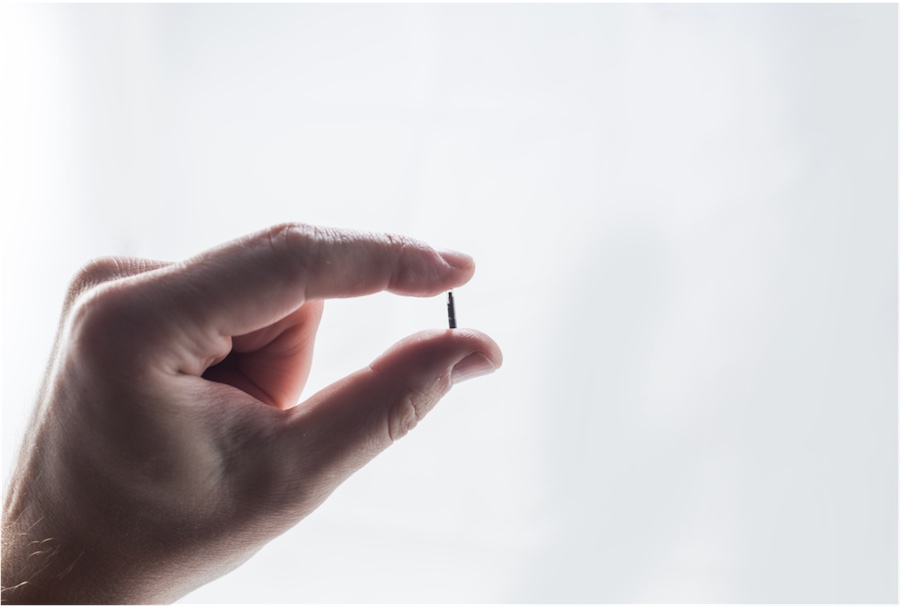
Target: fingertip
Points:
(461, 267)
(457, 260)
(475, 364)
(443, 346)
(426, 272)
(480, 342)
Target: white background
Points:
(685, 224)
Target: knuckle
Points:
(277, 233)
(295, 243)
(293, 235)
(91, 274)
(276, 237)
(97, 270)
(399, 245)
(101, 317)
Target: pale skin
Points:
(167, 445)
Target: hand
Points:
(166, 447)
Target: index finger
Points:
(256, 280)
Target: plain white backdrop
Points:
(685, 224)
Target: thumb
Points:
(344, 426)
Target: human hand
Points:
(166, 447)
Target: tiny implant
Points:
(451, 310)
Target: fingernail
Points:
(455, 258)
(473, 365)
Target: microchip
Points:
(451, 310)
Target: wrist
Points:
(42, 565)
(46, 561)
(34, 561)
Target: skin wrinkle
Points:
(416, 402)
(394, 278)
(269, 399)
(298, 241)
(283, 242)
(402, 418)
(407, 272)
